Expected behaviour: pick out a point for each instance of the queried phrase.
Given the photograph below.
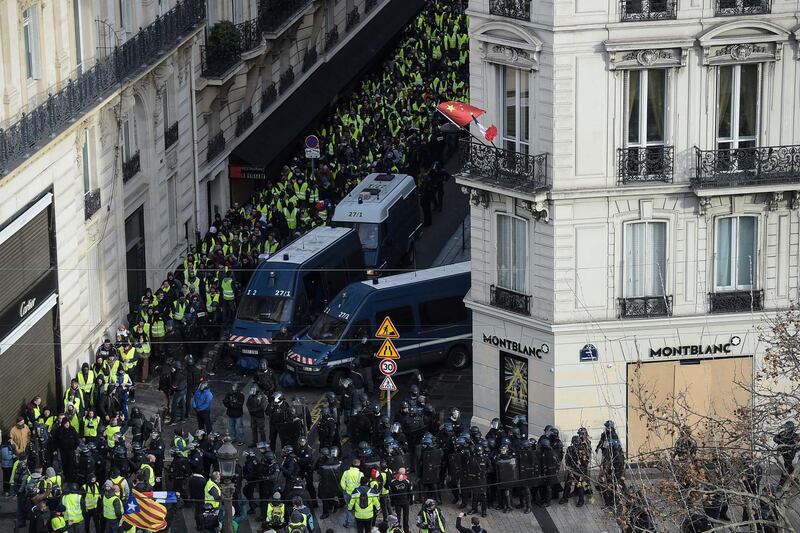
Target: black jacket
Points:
(473, 529)
(234, 401)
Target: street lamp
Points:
(228, 457)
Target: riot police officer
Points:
(327, 429)
(250, 475)
(179, 471)
(576, 466)
(278, 417)
(429, 467)
(550, 464)
(506, 470)
(257, 405)
(476, 477)
(329, 469)
(529, 472)
(269, 473)
(305, 457)
(290, 466)
(265, 379)
(788, 443)
(399, 437)
(457, 460)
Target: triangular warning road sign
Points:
(387, 330)
(388, 384)
(387, 351)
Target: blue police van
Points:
(426, 306)
(384, 209)
(291, 287)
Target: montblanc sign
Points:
(515, 346)
(685, 350)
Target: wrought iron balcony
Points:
(244, 121)
(644, 10)
(216, 145)
(645, 163)
(644, 307)
(352, 19)
(331, 38)
(736, 301)
(214, 62)
(85, 91)
(252, 34)
(287, 79)
(131, 166)
(726, 8)
(275, 14)
(268, 96)
(91, 203)
(510, 300)
(171, 136)
(309, 59)
(739, 167)
(504, 168)
(514, 9)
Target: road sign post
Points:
(312, 151)
(388, 356)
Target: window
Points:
(402, 318)
(172, 211)
(30, 37)
(336, 279)
(736, 253)
(129, 145)
(86, 160)
(515, 91)
(646, 108)
(329, 16)
(645, 260)
(443, 312)
(512, 253)
(237, 11)
(77, 13)
(737, 106)
(125, 16)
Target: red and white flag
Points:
(462, 114)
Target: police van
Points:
(291, 287)
(384, 209)
(426, 306)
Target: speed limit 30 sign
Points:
(387, 367)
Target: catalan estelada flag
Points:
(144, 513)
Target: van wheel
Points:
(458, 357)
(335, 377)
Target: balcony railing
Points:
(216, 145)
(727, 8)
(645, 163)
(644, 307)
(215, 62)
(309, 59)
(504, 168)
(91, 203)
(171, 136)
(287, 79)
(515, 9)
(331, 38)
(65, 107)
(738, 167)
(644, 10)
(736, 301)
(268, 96)
(252, 35)
(352, 19)
(510, 300)
(275, 13)
(244, 121)
(131, 166)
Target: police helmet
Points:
(395, 427)
(491, 442)
(277, 397)
(155, 435)
(475, 432)
(609, 424)
(576, 440)
(263, 366)
(269, 455)
(330, 397)
(544, 442)
(325, 452)
(514, 432)
(427, 439)
(288, 450)
(460, 442)
(495, 423)
(422, 400)
(554, 434)
(302, 441)
(325, 412)
(455, 413)
(413, 390)
(376, 409)
(583, 432)
(547, 429)
(199, 433)
(447, 427)
(334, 452)
(363, 445)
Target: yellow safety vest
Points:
(58, 523)
(109, 513)
(157, 329)
(127, 355)
(364, 513)
(275, 513)
(351, 480)
(300, 191)
(92, 495)
(227, 289)
(111, 433)
(178, 310)
(90, 426)
(294, 525)
(86, 384)
(291, 217)
(209, 499)
(151, 475)
(210, 301)
(74, 513)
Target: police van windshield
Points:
(264, 309)
(327, 329)
(368, 235)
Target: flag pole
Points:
(475, 120)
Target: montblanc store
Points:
(29, 340)
(584, 374)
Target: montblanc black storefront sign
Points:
(689, 350)
(515, 346)
(16, 312)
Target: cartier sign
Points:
(685, 350)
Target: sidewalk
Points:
(457, 247)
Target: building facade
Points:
(637, 222)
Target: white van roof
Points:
(427, 274)
(377, 193)
(307, 246)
